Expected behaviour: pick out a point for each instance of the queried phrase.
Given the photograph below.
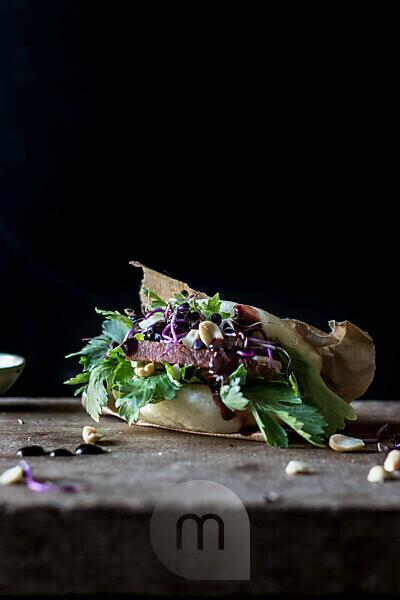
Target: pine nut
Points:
(345, 443)
(208, 332)
(392, 462)
(13, 475)
(377, 474)
(297, 467)
(90, 435)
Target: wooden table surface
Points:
(328, 532)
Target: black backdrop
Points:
(263, 172)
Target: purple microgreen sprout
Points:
(164, 332)
(173, 332)
(248, 354)
(152, 312)
(45, 486)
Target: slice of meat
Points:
(157, 352)
(219, 360)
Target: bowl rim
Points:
(21, 361)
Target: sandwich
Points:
(196, 363)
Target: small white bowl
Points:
(11, 367)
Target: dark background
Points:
(240, 157)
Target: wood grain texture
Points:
(328, 532)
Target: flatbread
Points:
(345, 358)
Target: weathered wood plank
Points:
(325, 533)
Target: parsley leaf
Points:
(231, 394)
(139, 391)
(100, 381)
(186, 374)
(281, 399)
(114, 315)
(95, 350)
(189, 374)
(241, 373)
(272, 432)
(213, 305)
(154, 299)
(271, 402)
(78, 379)
(115, 331)
(81, 378)
(316, 393)
(180, 297)
(93, 353)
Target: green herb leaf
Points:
(173, 371)
(281, 399)
(186, 374)
(189, 374)
(271, 391)
(115, 331)
(294, 384)
(114, 315)
(80, 390)
(94, 352)
(97, 391)
(180, 298)
(139, 391)
(81, 378)
(78, 379)
(154, 299)
(232, 396)
(240, 373)
(213, 305)
(139, 336)
(271, 431)
(316, 393)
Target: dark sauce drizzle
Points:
(60, 452)
(89, 449)
(224, 360)
(31, 451)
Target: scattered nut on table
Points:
(13, 475)
(90, 435)
(378, 474)
(345, 443)
(297, 467)
(392, 462)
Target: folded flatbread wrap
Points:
(200, 364)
